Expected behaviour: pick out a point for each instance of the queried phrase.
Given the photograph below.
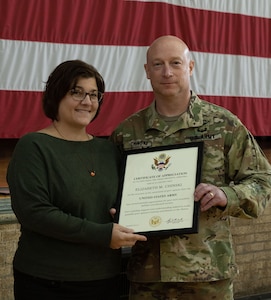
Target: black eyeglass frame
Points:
(92, 95)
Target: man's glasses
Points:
(79, 94)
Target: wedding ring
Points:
(211, 194)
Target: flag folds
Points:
(229, 41)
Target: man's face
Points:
(169, 67)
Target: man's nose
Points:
(167, 71)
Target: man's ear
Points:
(191, 66)
(147, 71)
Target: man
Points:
(235, 181)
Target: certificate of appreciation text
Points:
(157, 190)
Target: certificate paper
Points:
(157, 189)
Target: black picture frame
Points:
(165, 211)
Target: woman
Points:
(63, 182)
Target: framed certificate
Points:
(156, 195)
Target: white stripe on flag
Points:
(260, 8)
(26, 66)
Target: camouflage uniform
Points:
(232, 160)
(213, 290)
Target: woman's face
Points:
(78, 113)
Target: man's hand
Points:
(209, 195)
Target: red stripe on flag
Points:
(24, 112)
(118, 22)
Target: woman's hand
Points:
(124, 237)
(112, 212)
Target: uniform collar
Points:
(191, 118)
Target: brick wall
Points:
(252, 240)
(252, 243)
(9, 234)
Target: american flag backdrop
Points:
(229, 40)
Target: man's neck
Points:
(172, 106)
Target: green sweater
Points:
(64, 211)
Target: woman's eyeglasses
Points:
(79, 94)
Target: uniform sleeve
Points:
(117, 138)
(250, 173)
(28, 181)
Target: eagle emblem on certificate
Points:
(161, 162)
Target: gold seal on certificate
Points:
(155, 221)
(156, 194)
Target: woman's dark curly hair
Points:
(64, 78)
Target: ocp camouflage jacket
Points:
(232, 160)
